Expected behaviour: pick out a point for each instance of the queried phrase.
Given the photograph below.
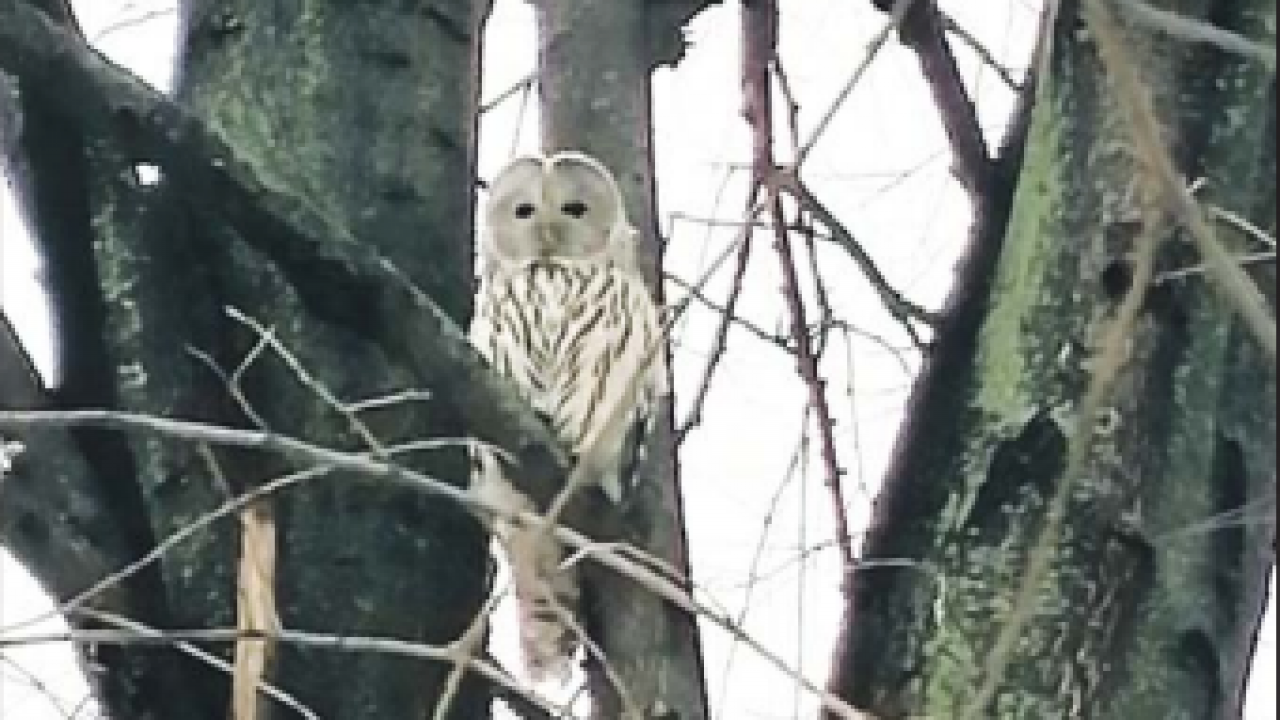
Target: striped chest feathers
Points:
(560, 313)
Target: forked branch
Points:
(759, 44)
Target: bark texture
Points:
(72, 511)
(1158, 580)
(363, 115)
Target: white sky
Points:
(882, 167)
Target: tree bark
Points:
(367, 114)
(595, 62)
(1158, 579)
(72, 511)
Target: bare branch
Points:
(1197, 31)
(202, 655)
(1248, 259)
(898, 306)
(754, 576)
(923, 31)
(950, 25)
(138, 635)
(877, 42)
(521, 85)
(759, 44)
(649, 572)
(720, 340)
(1243, 225)
(751, 327)
(807, 365)
(132, 21)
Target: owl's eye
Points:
(524, 211)
(574, 209)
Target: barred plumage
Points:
(574, 339)
(562, 311)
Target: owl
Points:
(563, 312)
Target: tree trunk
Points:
(365, 112)
(595, 62)
(1158, 579)
(73, 512)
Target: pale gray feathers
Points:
(563, 312)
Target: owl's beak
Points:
(549, 237)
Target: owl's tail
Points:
(547, 597)
(547, 594)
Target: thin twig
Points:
(898, 306)
(462, 651)
(759, 43)
(753, 574)
(137, 629)
(136, 634)
(131, 22)
(523, 84)
(1243, 225)
(751, 327)
(1248, 259)
(321, 461)
(895, 351)
(1192, 30)
(789, 99)
(349, 414)
(826, 313)
(399, 397)
(618, 557)
(873, 48)
(35, 683)
(950, 25)
(719, 340)
(1257, 512)
(807, 365)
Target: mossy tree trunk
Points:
(1158, 580)
(366, 112)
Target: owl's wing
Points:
(618, 374)
(504, 332)
(624, 475)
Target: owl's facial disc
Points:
(580, 207)
(564, 207)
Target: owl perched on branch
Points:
(563, 312)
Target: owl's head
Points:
(563, 207)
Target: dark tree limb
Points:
(984, 54)
(20, 385)
(923, 30)
(339, 281)
(759, 48)
(72, 511)
(664, 22)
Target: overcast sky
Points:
(753, 511)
